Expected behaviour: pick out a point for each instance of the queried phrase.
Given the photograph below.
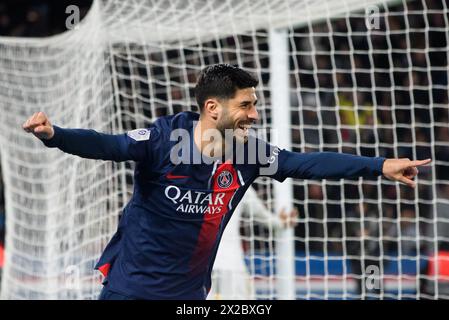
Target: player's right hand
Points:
(39, 125)
(403, 170)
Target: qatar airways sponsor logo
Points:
(199, 202)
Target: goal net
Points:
(364, 77)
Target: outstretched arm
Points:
(332, 165)
(326, 165)
(86, 143)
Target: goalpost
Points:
(365, 77)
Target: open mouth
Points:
(245, 128)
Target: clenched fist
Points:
(403, 170)
(39, 125)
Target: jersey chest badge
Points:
(225, 179)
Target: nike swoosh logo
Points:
(171, 176)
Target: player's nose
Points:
(253, 114)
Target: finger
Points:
(36, 120)
(419, 162)
(33, 117)
(41, 129)
(26, 125)
(34, 125)
(407, 181)
(41, 117)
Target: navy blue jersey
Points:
(169, 232)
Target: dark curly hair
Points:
(221, 81)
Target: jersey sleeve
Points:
(136, 145)
(283, 164)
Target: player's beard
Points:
(227, 123)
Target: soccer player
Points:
(230, 278)
(168, 235)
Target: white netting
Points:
(372, 91)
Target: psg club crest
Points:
(224, 179)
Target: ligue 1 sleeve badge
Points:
(139, 134)
(225, 179)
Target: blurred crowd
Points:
(36, 18)
(409, 87)
(401, 69)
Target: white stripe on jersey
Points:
(242, 183)
(212, 174)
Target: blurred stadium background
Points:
(363, 77)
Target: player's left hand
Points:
(403, 170)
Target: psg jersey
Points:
(168, 234)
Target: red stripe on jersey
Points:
(2, 256)
(225, 180)
(104, 269)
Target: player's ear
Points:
(211, 108)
